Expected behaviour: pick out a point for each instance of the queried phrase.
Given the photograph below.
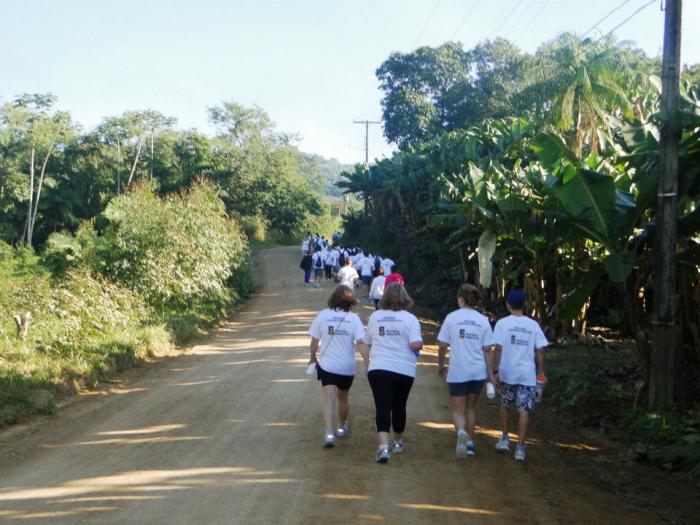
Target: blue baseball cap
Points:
(516, 299)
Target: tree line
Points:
(53, 175)
(535, 171)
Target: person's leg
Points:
(504, 416)
(307, 276)
(470, 414)
(376, 304)
(381, 391)
(401, 388)
(523, 419)
(343, 406)
(457, 405)
(329, 395)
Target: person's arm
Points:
(539, 352)
(363, 348)
(313, 348)
(497, 350)
(488, 357)
(416, 346)
(442, 352)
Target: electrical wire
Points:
(425, 26)
(604, 18)
(464, 20)
(532, 21)
(517, 19)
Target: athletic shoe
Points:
(330, 439)
(316, 285)
(470, 448)
(503, 444)
(306, 285)
(519, 452)
(342, 430)
(383, 455)
(461, 448)
(397, 447)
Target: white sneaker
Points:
(503, 444)
(461, 448)
(330, 439)
(342, 430)
(383, 455)
(519, 452)
(398, 447)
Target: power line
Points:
(532, 21)
(618, 26)
(507, 17)
(515, 22)
(464, 20)
(604, 18)
(425, 26)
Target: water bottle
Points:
(541, 380)
(490, 390)
(311, 369)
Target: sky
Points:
(310, 64)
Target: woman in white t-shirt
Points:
(339, 332)
(469, 336)
(393, 335)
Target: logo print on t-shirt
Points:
(461, 333)
(381, 331)
(512, 339)
(331, 330)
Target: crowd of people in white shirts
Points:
(346, 265)
(509, 357)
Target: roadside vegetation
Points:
(540, 172)
(121, 243)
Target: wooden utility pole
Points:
(664, 315)
(366, 123)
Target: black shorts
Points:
(329, 378)
(466, 388)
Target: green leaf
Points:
(619, 265)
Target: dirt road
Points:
(231, 432)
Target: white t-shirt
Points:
(376, 291)
(328, 258)
(386, 265)
(467, 332)
(389, 333)
(518, 337)
(338, 331)
(347, 275)
(366, 266)
(305, 246)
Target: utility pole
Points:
(366, 123)
(664, 316)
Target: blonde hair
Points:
(395, 298)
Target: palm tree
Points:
(575, 84)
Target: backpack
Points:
(319, 261)
(341, 259)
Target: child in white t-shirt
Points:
(376, 291)
(469, 336)
(518, 339)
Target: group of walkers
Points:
(349, 266)
(510, 357)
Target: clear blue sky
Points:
(309, 63)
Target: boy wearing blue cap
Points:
(518, 339)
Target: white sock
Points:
(461, 432)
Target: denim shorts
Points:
(465, 388)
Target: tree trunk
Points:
(38, 189)
(136, 160)
(27, 235)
